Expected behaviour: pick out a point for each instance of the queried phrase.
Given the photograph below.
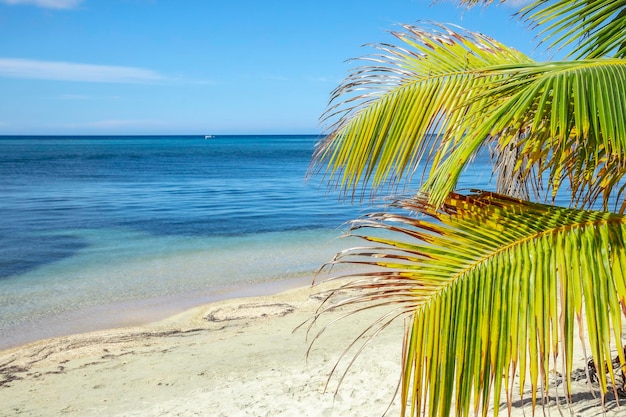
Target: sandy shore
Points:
(237, 357)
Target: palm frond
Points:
(493, 287)
(452, 93)
(388, 113)
(592, 28)
(566, 122)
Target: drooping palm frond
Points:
(386, 113)
(563, 118)
(592, 28)
(573, 115)
(494, 287)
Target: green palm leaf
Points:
(573, 115)
(506, 281)
(591, 28)
(594, 28)
(550, 123)
(386, 111)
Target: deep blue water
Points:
(229, 185)
(91, 222)
(94, 221)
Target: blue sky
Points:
(197, 66)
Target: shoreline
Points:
(141, 312)
(234, 357)
(220, 356)
(90, 292)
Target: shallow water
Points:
(104, 231)
(89, 222)
(134, 277)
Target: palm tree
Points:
(508, 275)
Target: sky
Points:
(163, 67)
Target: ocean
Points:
(99, 232)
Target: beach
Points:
(148, 276)
(103, 232)
(236, 357)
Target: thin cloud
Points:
(277, 78)
(87, 97)
(69, 71)
(516, 4)
(321, 79)
(512, 4)
(114, 124)
(50, 4)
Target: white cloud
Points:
(51, 4)
(114, 124)
(69, 71)
(321, 79)
(514, 4)
(87, 97)
(277, 78)
(518, 4)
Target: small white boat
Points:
(209, 136)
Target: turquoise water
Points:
(105, 231)
(93, 224)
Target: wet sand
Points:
(236, 357)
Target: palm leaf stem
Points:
(506, 280)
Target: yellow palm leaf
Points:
(437, 101)
(410, 92)
(494, 287)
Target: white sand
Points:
(233, 358)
